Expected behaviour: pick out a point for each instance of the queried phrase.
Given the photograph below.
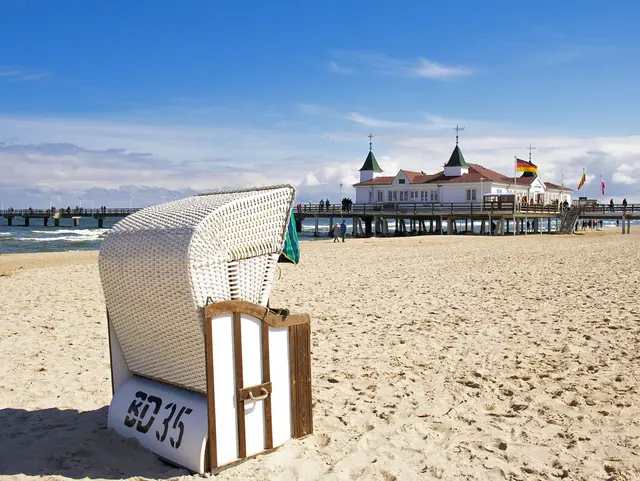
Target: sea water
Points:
(86, 236)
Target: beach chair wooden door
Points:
(258, 380)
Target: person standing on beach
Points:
(343, 230)
(336, 233)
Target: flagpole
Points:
(515, 194)
(515, 173)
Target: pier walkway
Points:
(410, 218)
(494, 218)
(45, 214)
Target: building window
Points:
(471, 195)
(380, 196)
(370, 196)
(436, 195)
(431, 195)
(422, 196)
(395, 196)
(400, 181)
(390, 196)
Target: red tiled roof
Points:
(411, 175)
(475, 173)
(557, 187)
(377, 181)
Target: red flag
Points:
(602, 186)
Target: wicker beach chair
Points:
(186, 286)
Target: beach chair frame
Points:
(201, 266)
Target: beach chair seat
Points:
(186, 286)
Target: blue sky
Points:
(111, 99)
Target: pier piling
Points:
(367, 226)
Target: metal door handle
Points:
(264, 395)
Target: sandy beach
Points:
(455, 358)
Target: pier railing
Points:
(76, 212)
(433, 208)
(452, 208)
(383, 208)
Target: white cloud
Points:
(109, 160)
(428, 69)
(313, 109)
(336, 68)
(372, 122)
(311, 179)
(385, 65)
(14, 73)
(620, 178)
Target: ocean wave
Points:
(6, 234)
(60, 239)
(84, 232)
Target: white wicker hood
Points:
(159, 266)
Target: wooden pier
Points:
(493, 218)
(410, 218)
(99, 214)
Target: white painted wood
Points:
(252, 374)
(119, 370)
(225, 389)
(280, 379)
(169, 421)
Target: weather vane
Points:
(370, 137)
(530, 149)
(458, 130)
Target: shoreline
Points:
(10, 262)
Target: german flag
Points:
(583, 179)
(524, 166)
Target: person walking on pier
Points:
(343, 230)
(624, 204)
(321, 205)
(611, 205)
(326, 204)
(336, 233)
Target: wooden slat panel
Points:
(266, 378)
(237, 352)
(293, 384)
(212, 448)
(301, 350)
